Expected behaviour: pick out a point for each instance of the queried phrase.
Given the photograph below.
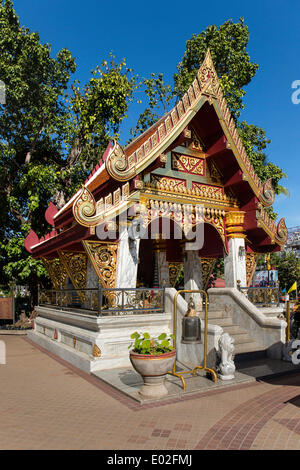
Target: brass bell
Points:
(191, 326)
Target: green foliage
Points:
(255, 142)
(51, 135)
(288, 266)
(227, 46)
(100, 107)
(159, 98)
(144, 344)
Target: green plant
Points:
(144, 344)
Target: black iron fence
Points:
(101, 301)
(262, 296)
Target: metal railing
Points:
(262, 296)
(102, 301)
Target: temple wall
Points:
(93, 343)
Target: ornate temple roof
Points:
(118, 173)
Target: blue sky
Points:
(152, 35)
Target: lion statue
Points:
(226, 365)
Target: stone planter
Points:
(153, 369)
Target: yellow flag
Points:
(294, 287)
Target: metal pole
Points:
(99, 299)
(288, 320)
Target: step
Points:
(232, 329)
(220, 321)
(248, 346)
(215, 314)
(240, 338)
(252, 354)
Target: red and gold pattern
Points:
(168, 184)
(187, 164)
(214, 192)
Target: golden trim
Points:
(75, 264)
(96, 351)
(56, 271)
(103, 256)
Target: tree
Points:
(288, 266)
(227, 45)
(51, 134)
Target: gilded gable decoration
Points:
(103, 256)
(187, 164)
(75, 263)
(56, 271)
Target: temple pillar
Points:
(161, 265)
(235, 260)
(193, 276)
(127, 261)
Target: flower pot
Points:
(153, 369)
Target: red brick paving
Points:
(49, 404)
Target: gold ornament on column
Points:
(234, 221)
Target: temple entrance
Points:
(167, 259)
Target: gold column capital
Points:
(234, 221)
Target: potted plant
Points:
(152, 358)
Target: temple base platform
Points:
(127, 381)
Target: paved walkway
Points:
(48, 404)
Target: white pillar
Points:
(127, 261)
(235, 263)
(193, 276)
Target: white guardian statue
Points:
(226, 366)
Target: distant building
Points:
(293, 241)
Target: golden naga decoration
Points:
(103, 256)
(282, 232)
(268, 193)
(89, 213)
(118, 165)
(84, 209)
(56, 271)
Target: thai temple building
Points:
(176, 199)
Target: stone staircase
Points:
(245, 346)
